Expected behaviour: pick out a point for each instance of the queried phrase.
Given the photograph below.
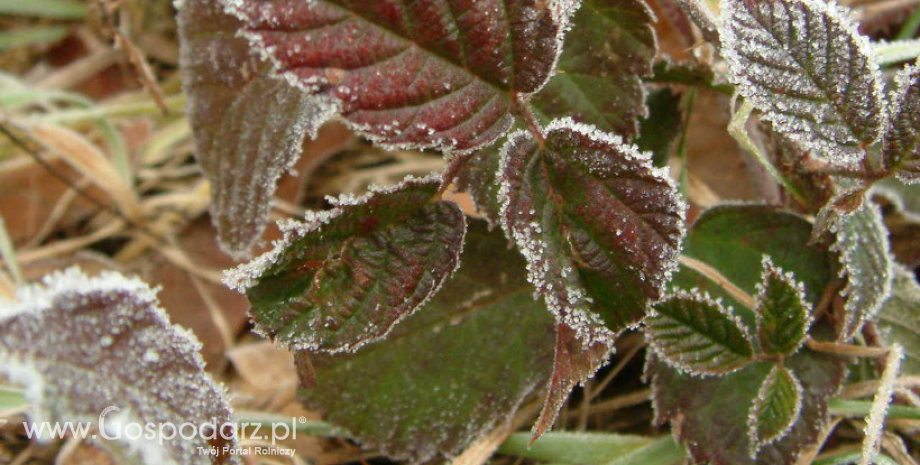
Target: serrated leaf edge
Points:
(561, 11)
(39, 298)
(836, 14)
(572, 315)
(770, 269)
(705, 298)
(846, 254)
(244, 276)
(758, 443)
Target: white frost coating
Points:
(802, 109)
(862, 242)
(245, 276)
(561, 11)
(687, 361)
(769, 269)
(755, 412)
(570, 304)
(875, 422)
(117, 319)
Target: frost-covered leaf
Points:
(248, 128)
(902, 140)
(805, 66)
(600, 228)
(698, 335)
(710, 415)
(775, 409)
(783, 313)
(449, 372)
(427, 74)
(611, 44)
(345, 277)
(80, 345)
(479, 177)
(899, 318)
(732, 239)
(862, 244)
(574, 362)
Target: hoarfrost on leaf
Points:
(783, 313)
(347, 276)
(698, 335)
(448, 85)
(806, 67)
(76, 342)
(899, 319)
(863, 248)
(600, 228)
(776, 408)
(902, 140)
(450, 372)
(597, 80)
(248, 127)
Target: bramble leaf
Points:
(732, 239)
(902, 140)
(345, 277)
(710, 415)
(610, 45)
(600, 229)
(783, 313)
(83, 345)
(599, 226)
(248, 128)
(862, 244)
(698, 335)
(465, 361)
(805, 66)
(775, 409)
(425, 74)
(899, 318)
(574, 362)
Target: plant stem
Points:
(861, 408)
(888, 53)
(737, 129)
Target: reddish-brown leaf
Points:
(430, 73)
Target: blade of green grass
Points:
(32, 36)
(53, 9)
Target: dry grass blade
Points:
(89, 160)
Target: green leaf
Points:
(862, 244)
(451, 371)
(31, 36)
(658, 131)
(783, 314)
(806, 67)
(611, 44)
(53, 9)
(775, 409)
(710, 415)
(81, 346)
(348, 275)
(899, 319)
(248, 127)
(600, 228)
(595, 449)
(698, 335)
(902, 140)
(733, 239)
